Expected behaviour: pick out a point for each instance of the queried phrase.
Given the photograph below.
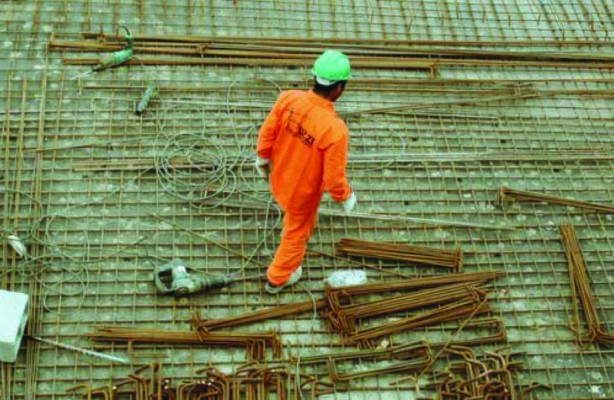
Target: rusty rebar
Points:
(580, 288)
(255, 343)
(495, 327)
(450, 312)
(455, 296)
(253, 381)
(345, 318)
(406, 64)
(490, 376)
(506, 194)
(397, 252)
(295, 40)
(261, 315)
(400, 352)
(343, 294)
(405, 366)
(387, 55)
(220, 46)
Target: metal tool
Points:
(118, 57)
(177, 279)
(147, 96)
(114, 59)
(109, 357)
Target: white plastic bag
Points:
(18, 245)
(347, 278)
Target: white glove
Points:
(349, 204)
(263, 167)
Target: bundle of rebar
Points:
(580, 289)
(455, 296)
(297, 51)
(506, 194)
(219, 51)
(450, 312)
(256, 344)
(339, 296)
(344, 319)
(397, 252)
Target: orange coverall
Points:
(307, 145)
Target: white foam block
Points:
(13, 318)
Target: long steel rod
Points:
(263, 315)
(217, 48)
(391, 42)
(109, 357)
(518, 195)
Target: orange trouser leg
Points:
(289, 256)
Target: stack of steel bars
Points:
(453, 300)
(339, 296)
(472, 305)
(256, 344)
(344, 319)
(293, 51)
(396, 252)
(193, 50)
(580, 287)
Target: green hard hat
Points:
(332, 66)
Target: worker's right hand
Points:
(263, 167)
(349, 204)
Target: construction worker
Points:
(302, 150)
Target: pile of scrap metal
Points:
(490, 376)
(450, 298)
(250, 382)
(493, 375)
(454, 297)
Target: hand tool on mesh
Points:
(116, 58)
(150, 93)
(175, 278)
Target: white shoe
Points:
(296, 275)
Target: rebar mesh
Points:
(101, 195)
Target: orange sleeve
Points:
(269, 130)
(335, 161)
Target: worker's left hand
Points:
(263, 167)
(349, 204)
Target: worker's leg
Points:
(296, 233)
